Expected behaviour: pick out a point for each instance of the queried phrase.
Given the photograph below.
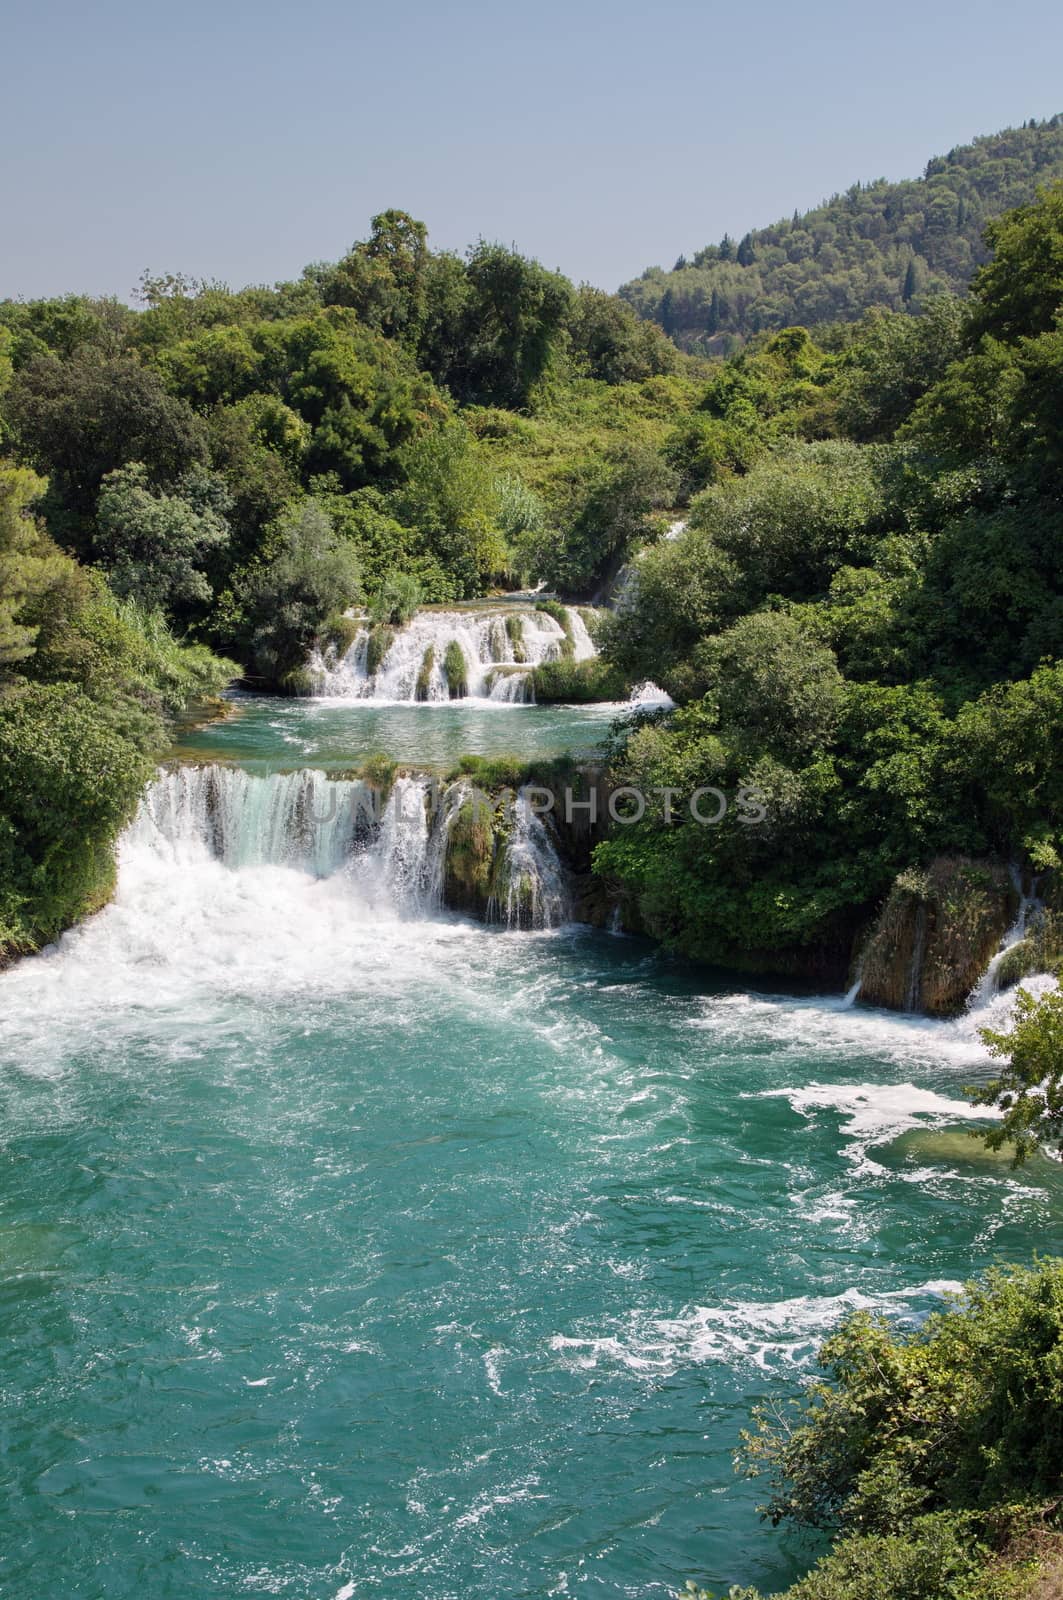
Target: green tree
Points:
(282, 603)
(1020, 291)
(384, 278)
(1029, 1089)
(154, 545)
(515, 320)
(80, 419)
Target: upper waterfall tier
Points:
(448, 655)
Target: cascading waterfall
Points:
(530, 885)
(497, 649)
(392, 852)
(989, 983)
(298, 819)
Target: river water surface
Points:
(348, 1248)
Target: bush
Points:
(69, 781)
(396, 600)
(963, 1414)
(578, 682)
(456, 671)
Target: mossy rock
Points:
(455, 671)
(381, 639)
(340, 632)
(936, 934)
(297, 682)
(423, 685)
(515, 630)
(468, 872)
(1040, 951)
(949, 1147)
(379, 772)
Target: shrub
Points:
(396, 600)
(578, 682)
(456, 671)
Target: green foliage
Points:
(455, 671)
(396, 600)
(610, 518)
(69, 779)
(82, 418)
(153, 546)
(449, 494)
(1019, 291)
(86, 685)
(515, 319)
(1029, 1089)
(380, 771)
(578, 682)
(610, 343)
(893, 365)
(278, 604)
(889, 245)
(772, 685)
(495, 773)
(963, 1414)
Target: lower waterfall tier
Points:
(417, 846)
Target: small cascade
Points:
(443, 655)
(530, 889)
(399, 857)
(989, 984)
(649, 696)
(914, 987)
(852, 994)
(583, 646)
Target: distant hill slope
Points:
(879, 244)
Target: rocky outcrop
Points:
(936, 934)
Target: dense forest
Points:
(886, 245)
(864, 619)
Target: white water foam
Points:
(762, 1333)
(875, 1113)
(234, 885)
(497, 665)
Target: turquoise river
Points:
(350, 1248)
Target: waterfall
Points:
(393, 855)
(987, 986)
(530, 889)
(496, 649)
(299, 819)
(914, 989)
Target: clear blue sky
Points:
(241, 141)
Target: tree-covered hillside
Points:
(880, 244)
(863, 620)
